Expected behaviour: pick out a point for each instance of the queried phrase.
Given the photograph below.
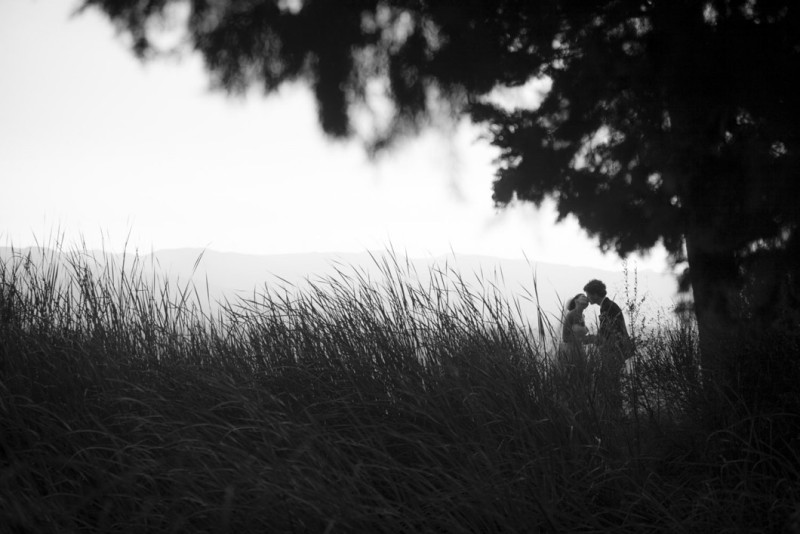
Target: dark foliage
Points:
(356, 406)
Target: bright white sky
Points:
(96, 146)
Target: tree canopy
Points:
(672, 121)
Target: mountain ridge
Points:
(229, 275)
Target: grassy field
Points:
(358, 405)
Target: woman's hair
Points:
(571, 304)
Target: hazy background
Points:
(99, 150)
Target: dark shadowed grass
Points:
(353, 405)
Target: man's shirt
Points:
(612, 322)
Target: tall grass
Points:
(352, 405)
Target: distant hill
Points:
(230, 275)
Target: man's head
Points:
(596, 291)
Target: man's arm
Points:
(612, 321)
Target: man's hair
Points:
(595, 286)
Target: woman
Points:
(573, 333)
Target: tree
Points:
(672, 121)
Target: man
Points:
(612, 341)
(612, 332)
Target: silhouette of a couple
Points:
(612, 344)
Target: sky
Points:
(98, 148)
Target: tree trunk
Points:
(713, 272)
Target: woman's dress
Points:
(571, 353)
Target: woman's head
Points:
(579, 301)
